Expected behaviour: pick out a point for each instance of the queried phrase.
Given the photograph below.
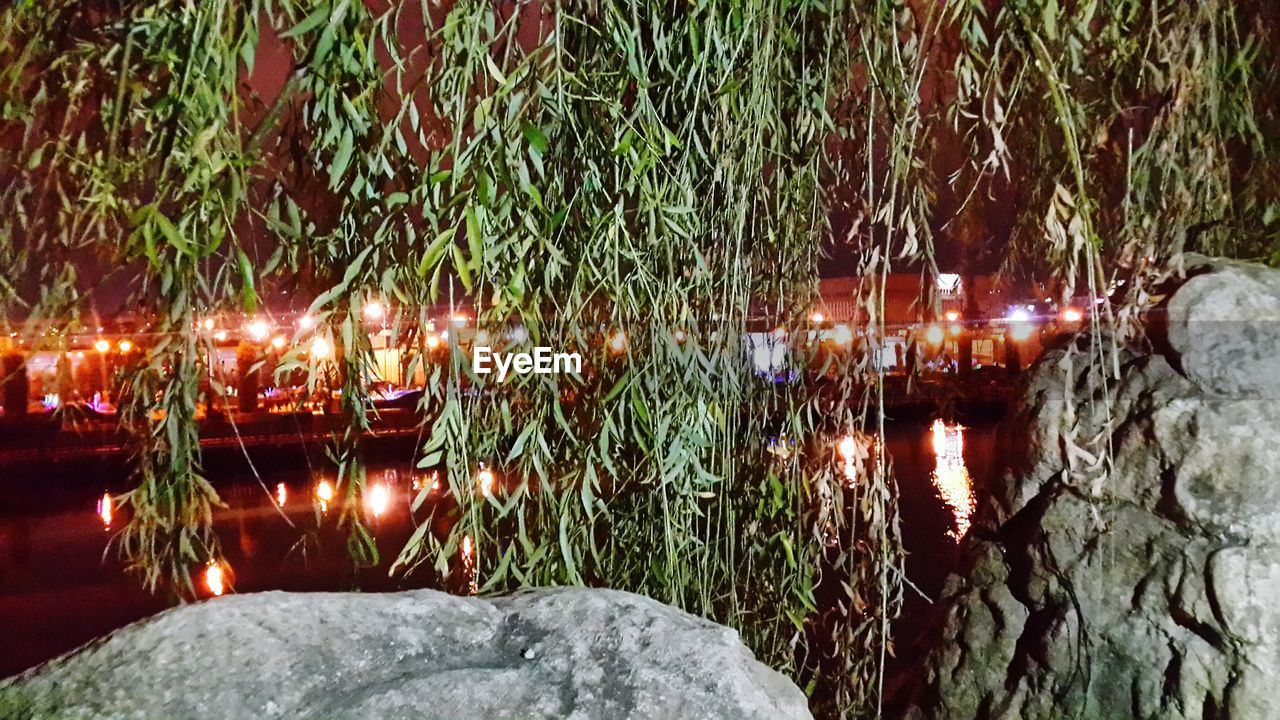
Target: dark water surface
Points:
(61, 585)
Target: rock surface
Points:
(1154, 592)
(1223, 324)
(555, 653)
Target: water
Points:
(61, 586)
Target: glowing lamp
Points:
(375, 311)
(1072, 315)
(618, 342)
(847, 447)
(378, 499)
(215, 578)
(101, 345)
(320, 349)
(486, 481)
(934, 335)
(125, 346)
(842, 335)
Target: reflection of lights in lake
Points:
(282, 494)
(324, 493)
(951, 477)
(215, 579)
(469, 563)
(105, 510)
(378, 499)
(855, 450)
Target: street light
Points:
(125, 346)
(101, 345)
(258, 330)
(934, 335)
(320, 348)
(375, 311)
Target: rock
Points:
(1224, 325)
(1150, 594)
(554, 653)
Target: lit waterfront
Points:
(54, 548)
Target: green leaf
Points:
(309, 23)
(341, 158)
(460, 264)
(536, 139)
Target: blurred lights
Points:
(469, 563)
(375, 310)
(847, 447)
(324, 493)
(952, 316)
(618, 342)
(278, 342)
(282, 494)
(486, 481)
(1072, 315)
(377, 500)
(320, 349)
(105, 510)
(101, 345)
(125, 346)
(934, 335)
(215, 578)
(220, 336)
(258, 330)
(951, 476)
(842, 335)
(817, 318)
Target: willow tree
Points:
(643, 182)
(635, 181)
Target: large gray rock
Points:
(1151, 594)
(555, 653)
(1224, 327)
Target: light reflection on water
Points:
(951, 477)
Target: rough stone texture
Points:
(1158, 596)
(556, 653)
(1224, 327)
